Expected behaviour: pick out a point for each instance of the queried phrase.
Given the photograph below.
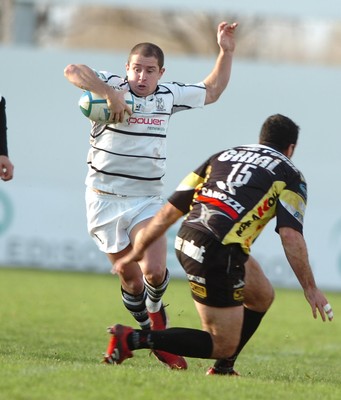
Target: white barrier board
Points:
(42, 212)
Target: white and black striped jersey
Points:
(129, 158)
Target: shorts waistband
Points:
(111, 194)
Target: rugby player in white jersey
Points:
(127, 161)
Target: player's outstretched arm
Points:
(297, 254)
(218, 79)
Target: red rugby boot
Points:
(118, 349)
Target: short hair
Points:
(147, 49)
(279, 132)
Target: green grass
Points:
(53, 334)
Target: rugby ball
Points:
(96, 108)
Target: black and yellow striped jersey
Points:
(236, 192)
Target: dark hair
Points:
(278, 132)
(148, 50)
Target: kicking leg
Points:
(209, 343)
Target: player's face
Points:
(143, 74)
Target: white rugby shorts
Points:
(110, 218)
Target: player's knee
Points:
(156, 276)
(271, 296)
(133, 286)
(259, 297)
(267, 297)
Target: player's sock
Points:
(251, 321)
(182, 341)
(154, 294)
(136, 305)
(225, 365)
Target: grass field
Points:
(53, 334)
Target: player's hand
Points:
(225, 36)
(318, 301)
(6, 168)
(123, 263)
(117, 105)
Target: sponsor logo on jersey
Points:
(145, 121)
(227, 201)
(267, 204)
(266, 208)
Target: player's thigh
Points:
(224, 324)
(258, 291)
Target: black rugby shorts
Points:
(215, 272)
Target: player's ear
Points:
(290, 150)
(162, 71)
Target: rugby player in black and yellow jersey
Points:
(228, 200)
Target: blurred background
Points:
(287, 60)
